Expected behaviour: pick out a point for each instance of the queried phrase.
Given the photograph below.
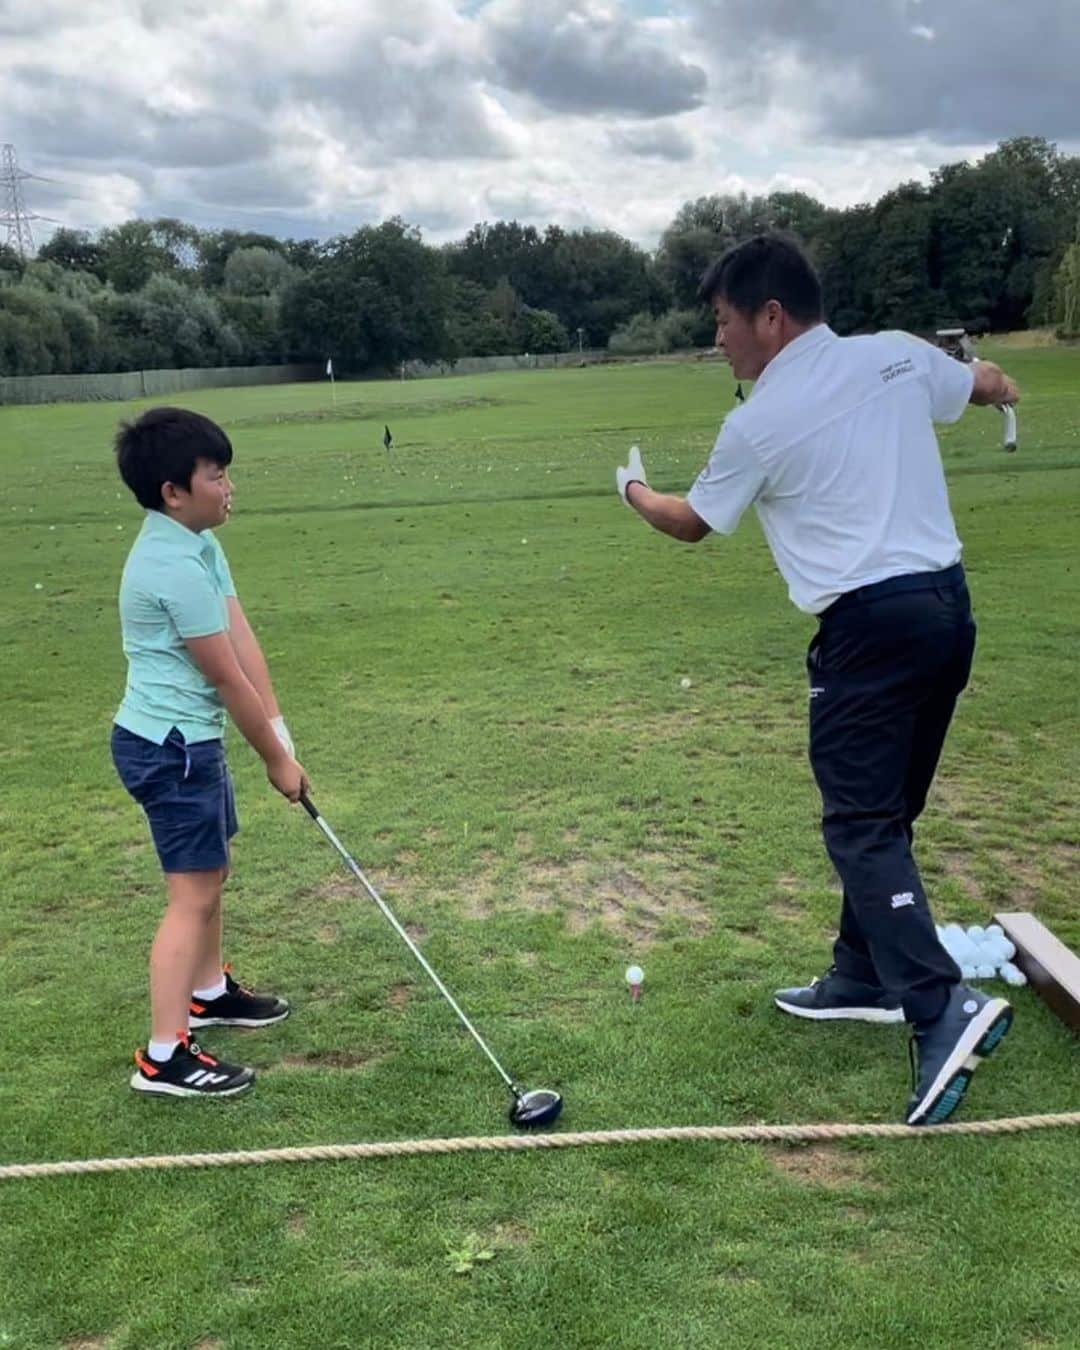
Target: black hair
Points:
(162, 446)
(766, 267)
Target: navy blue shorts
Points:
(187, 794)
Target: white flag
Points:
(330, 367)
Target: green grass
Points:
(479, 651)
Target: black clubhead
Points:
(532, 1109)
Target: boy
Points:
(192, 657)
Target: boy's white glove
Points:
(634, 472)
(282, 733)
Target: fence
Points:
(482, 365)
(143, 383)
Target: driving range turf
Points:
(480, 653)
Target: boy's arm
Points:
(250, 657)
(216, 658)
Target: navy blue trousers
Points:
(886, 666)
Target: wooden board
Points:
(1052, 969)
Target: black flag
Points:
(387, 439)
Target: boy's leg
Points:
(193, 911)
(216, 999)
(210, 960)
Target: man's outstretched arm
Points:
(666, 513)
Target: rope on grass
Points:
(399, 1148)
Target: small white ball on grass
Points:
(686, 682)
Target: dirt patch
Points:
(329, 932)
(822, 1165)
(510, 1234)
(524, 842)
(399, 995)
(956, 865)
(1025, 882)
(296, 1223)
(92, 1343)
(339, 890)
(628, 903)
(332, 1059)
(209, 1343)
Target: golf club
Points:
(956, 342)
(530, 1109)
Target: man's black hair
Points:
(766, 267)
(162, 446)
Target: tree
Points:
(216, 247)
(257, 271)
(541, 331)
(844, 245)
(377, 297)
(1067, 283)
(901, 294)
(75, 250)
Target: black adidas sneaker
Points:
(189, 1072)
(237, 1007)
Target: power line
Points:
(13, 213)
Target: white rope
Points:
(513, 1143)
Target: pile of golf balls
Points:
(981, 953)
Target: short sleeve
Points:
(950, 381)
(192, 600)
(221, 565)
(729, 483)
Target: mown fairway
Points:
(479, 651)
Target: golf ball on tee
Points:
(634, 975)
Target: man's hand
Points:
(282, 733)
(288, 777)
(634, 472)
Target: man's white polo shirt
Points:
(836, 450)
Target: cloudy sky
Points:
(309, 117)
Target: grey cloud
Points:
(572, 57)
(875, 70)
(653, 142)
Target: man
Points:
(836, 450)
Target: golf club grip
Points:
(1009, 414)
(309, 806)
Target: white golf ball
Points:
(634, 975)
(38, 586)
(686, 682)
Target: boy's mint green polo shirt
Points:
(174, 587)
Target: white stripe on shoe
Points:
(842, 1014)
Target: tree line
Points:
(993, 244)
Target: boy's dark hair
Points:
(162, 446)
(766, 267)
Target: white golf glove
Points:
(634, 472)
(282, 733)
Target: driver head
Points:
(539, 1107)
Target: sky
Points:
(309, 118)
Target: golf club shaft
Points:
(354, 867)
